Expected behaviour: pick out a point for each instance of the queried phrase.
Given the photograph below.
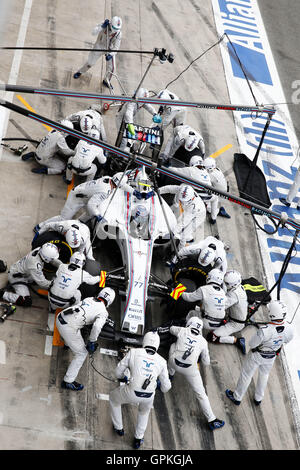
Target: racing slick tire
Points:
(65, 251)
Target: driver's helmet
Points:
(140, 214)
(143, 183)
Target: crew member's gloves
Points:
(35, 236)
(92, 346)
(124, 379)
(137, 194)
(108, 57)
(156, 118)
(130, 129)
(105, 24)
(3, 266)
(165, 160)
(99, 218)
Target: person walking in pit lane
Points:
(109, 36)
(189, 349)
(146, 367)
(265, 346)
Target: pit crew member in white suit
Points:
(70, 321)
(94, 204)
(212, 300)
(209, 244)
(264, 346)
(189, 210)
(174, 115)
(109, 37)
(52, 152)
(87, 159)
(127, 113)
(183, 136)
(219, 182)
(82, 196)
(89, 119)
(293, 191)
(27, 270)
(76, 233)
(145, 366)
(237, 308)
(184, 355)
(64, 289)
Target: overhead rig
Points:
(256, 209)
(270, 110)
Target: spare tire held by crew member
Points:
(65, 251)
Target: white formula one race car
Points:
(138, 221)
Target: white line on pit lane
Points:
(14, 71)
(48, 345)
(2, 352)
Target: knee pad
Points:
(212, 338)
(24, 301)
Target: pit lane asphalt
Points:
(34, 412)
(281, 20)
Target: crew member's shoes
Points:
(257, 403)
(108, 85)
(241, 344)
(72, 386)
(223, 213)
(120, 432)
(40, 171)
(212, 221)
(77, 75)
(229, 394)
(27, 156)
(137, 443)
(284, 201)
(216, 424)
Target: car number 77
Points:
(138, 284)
